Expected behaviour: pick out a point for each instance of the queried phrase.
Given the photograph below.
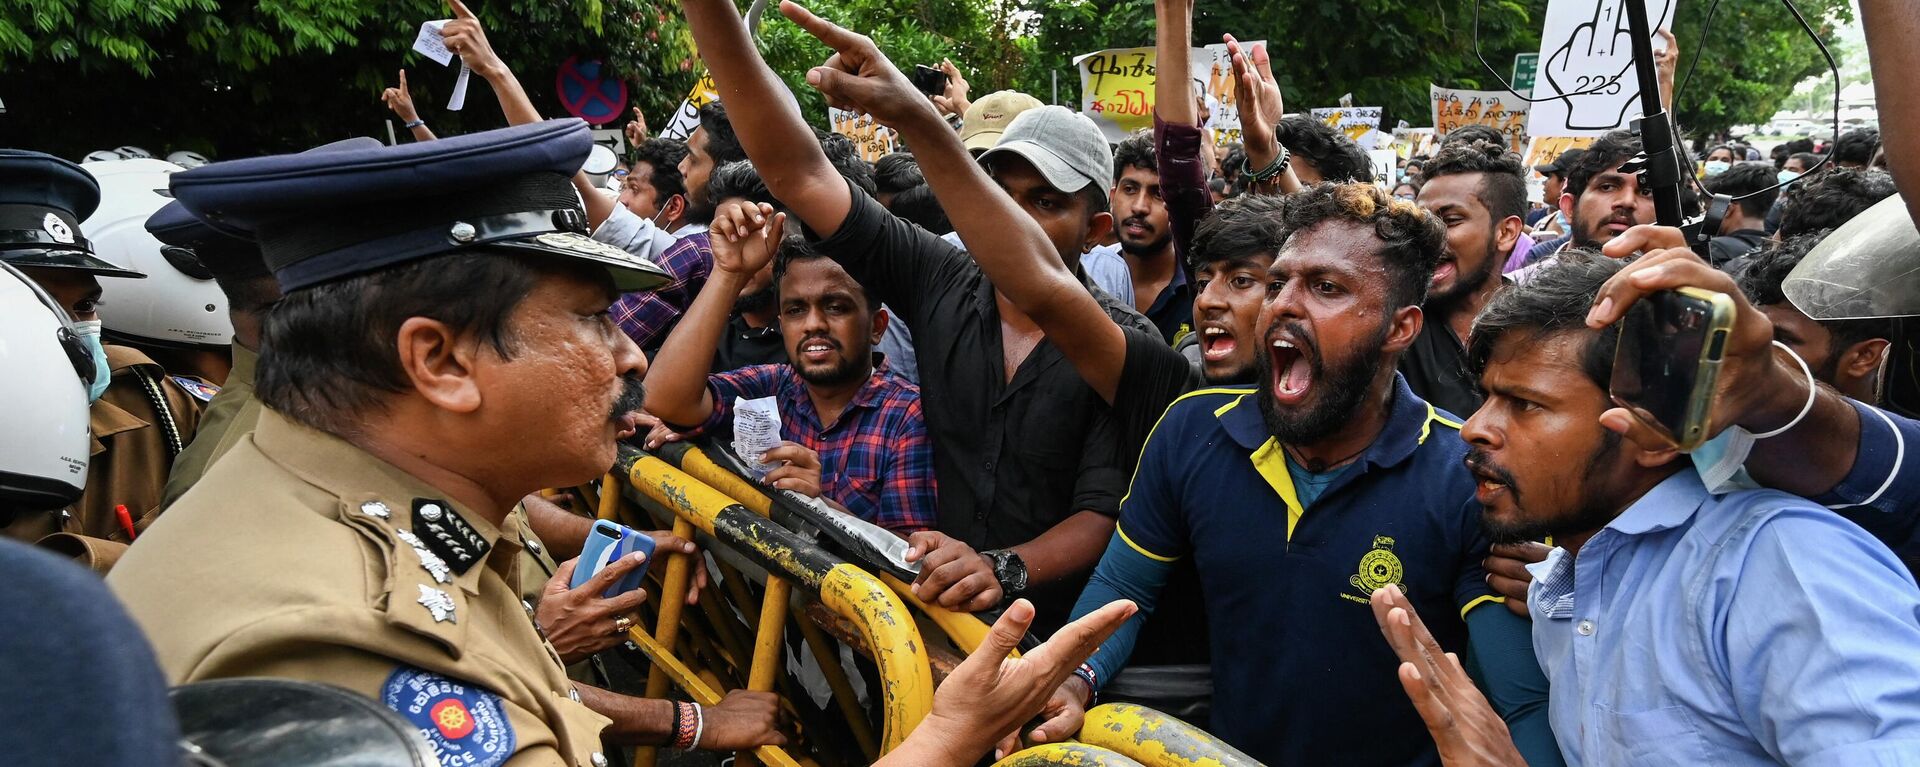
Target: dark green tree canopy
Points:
(232, 78)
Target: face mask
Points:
(1786, 176)
(89, 332)
(1721, 461)
(1717, 167)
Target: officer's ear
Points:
(439, 363)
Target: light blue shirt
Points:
(1749, 628)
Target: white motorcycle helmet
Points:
(43, 399)
(134, 153)
(178, 303)
(187, 159)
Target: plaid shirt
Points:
(646, 317)
(876, 460)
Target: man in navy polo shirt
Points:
(1298, 498)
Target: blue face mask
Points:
(1786, 176)
(89, 332)
(1717, 167)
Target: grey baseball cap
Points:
(1065, 146)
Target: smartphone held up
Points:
(1668, 359)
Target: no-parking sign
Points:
(589, 93)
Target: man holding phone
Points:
(1747, 628)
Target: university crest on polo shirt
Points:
(1379, 568)
(467, 725)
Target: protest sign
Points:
(687, 117)
(872, 139)
(1408, 142)
(1454, 109)
(1586, 67)
(1384, 163)
(1362, 124)
(1116, 88)
(1543, 149)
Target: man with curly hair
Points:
(1298, 496)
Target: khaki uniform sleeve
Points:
(356, 650)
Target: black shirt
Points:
(1013, 458)
(742, 346)
(1436, 369)
(1727, 247)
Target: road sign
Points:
(1524, 67)
(589, 93)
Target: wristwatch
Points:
(1009, 569)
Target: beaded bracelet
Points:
(686, 725)
(1273, 169)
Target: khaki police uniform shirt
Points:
(301, 556)
(229, 417)
(132, 451)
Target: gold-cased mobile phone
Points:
(1667, 361)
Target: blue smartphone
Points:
(608, 542)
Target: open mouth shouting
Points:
(1217, 341)
(1294, 367)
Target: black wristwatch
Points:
(1009, 569)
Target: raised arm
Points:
(466, 37)
(767, 120)
(1009, 246)
(1258, 95)
(744, 240)
(1177, 135)
(1891, 27)
(1173, 73)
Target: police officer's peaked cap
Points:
(342, 211)
(202, 251)
(43, 199)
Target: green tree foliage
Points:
(239, 77)
(236, 77)
(1749, 59)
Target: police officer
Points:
(442, 349)
(234, 263)
(140, 417)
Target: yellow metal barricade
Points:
(886, 628)
(1067, 755)
(1155, 739)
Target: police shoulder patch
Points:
(200, 390)
(466, 724)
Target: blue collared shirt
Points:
(1749, 628)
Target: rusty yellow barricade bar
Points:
(1155, 739)
(848, 591)
(963, 628)
(1067, 755)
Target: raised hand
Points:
(954, 100)
(400, 100)
(1458, 717)
(637, 130)
(467, 39)
(990, 693)
(857, 77)
(748, 234)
